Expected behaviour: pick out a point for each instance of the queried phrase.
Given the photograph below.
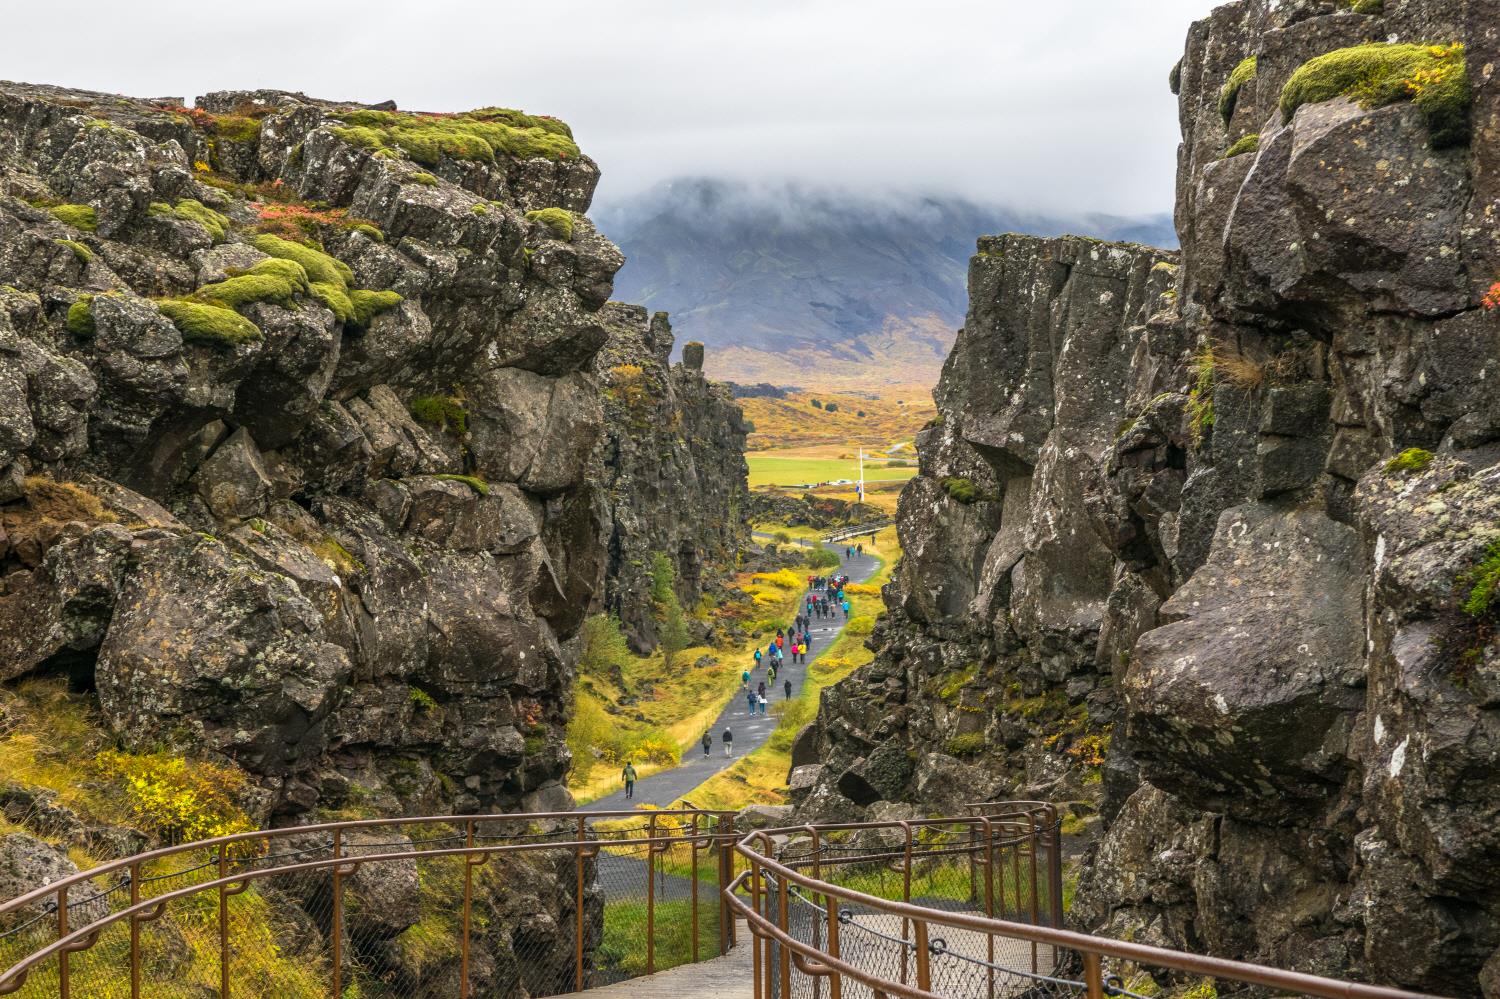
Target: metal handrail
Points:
(758, 850)
(228, 882)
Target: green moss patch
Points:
(276, 281)
(968, 744)
(1244, 144)
(81, 317)
(1433, 77)
(559, 221)
(423, 178)
(320, 266)
(210, 324)
(481, 136)
(80, 252)
(1413, 459)
(964, 490)
(192, 210)
(78, 216)
(369, 304)
(446, 412)
(473, 482)
(1230, 94)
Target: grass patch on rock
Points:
(78, 216)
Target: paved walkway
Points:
(729, 977)
(750, 733)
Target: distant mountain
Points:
(818, 287)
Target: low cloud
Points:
(1061, 106)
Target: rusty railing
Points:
(496, 905)
(968, 906)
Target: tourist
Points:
(750, 701)
(628, 776)
(728, 743)
(745, 676)
(788, 688)
(846, 610)
(708, 742)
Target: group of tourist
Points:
(826, 595)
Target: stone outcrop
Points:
(297, 411)
(671, 468)
(1198, 542)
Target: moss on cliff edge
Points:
(210, 324)
(1244, 144)
(480, 135)
(1433, 77)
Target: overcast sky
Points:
(1056, 105)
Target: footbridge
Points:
(645, 904)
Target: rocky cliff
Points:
(671, 465)
(1210, 544)
(296, 414)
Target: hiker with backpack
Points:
(708, 743)
(628, 776)
(788, 688)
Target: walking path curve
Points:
(667, 786)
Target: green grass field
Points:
(770, 468)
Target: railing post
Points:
(651, 895)
(578, 909)
(817, 931)
(64, 973)
(1093, 977)
(135, 932)
(835, 980)
(725, 846)
(989, 899)
(223, 923)
(905, 897)
(693, 863)
(783, 954)
(463, 964)
(338, 916)
(756, 941)
(1054, 864)
(1032, 838)
(924, 968)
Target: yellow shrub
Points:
(654, 749)
(177, 799)
(862, 590)
(784, 579)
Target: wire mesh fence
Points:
(503, 906)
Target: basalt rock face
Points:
(671, 466)
(1166, 512)
(326, 514)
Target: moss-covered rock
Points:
(192, 210)
(320, 266)
(80, 252)
(1229, 95)
(1433, 77)
(1244, 144)
(210, 324)
(78, 216)
(1413, 459)
(559, 221)
(81, 317)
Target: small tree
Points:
(668, 608)
(817, 404)
(831, 407)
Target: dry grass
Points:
(893, 415)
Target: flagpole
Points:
(859, 495)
